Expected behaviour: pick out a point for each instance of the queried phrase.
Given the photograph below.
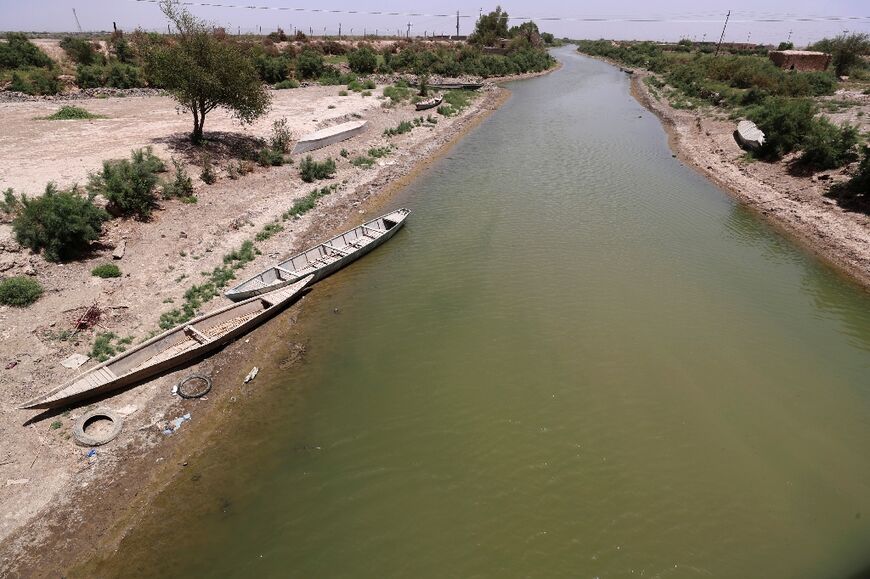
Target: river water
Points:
(578, 359)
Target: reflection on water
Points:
(578, 359)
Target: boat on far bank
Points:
(172, 348)
(457, 86)
(430, 103)
(325, 259)
(749, 136)
(329, 136)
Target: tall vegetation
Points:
(490, 28)
(203, 71)
(846, 50)
(60, 223)
(129, 185)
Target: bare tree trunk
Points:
(196, 135)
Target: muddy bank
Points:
(57, 518)
(795, 204)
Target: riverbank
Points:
(52, 517)
(795, 204)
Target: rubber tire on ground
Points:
(199, 394)
(87, 440)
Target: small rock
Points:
(17, 481)
(119, 250)
(182, 235)
(252, 374)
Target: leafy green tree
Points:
(204, 70)
(528, 34)
(490, 28)
(18, 52)
(785, 46)
(846, 50)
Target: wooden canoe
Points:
(328, 136)
(324, 259)
(430, 103)
(172, 348)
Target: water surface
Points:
(579, 359)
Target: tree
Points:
(846, 50)
(204, 70)
(490, 28)
(785, 46)
(528, 34)
(362, 60)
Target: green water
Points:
(579, 359)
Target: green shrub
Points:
(363, 162)
(268, 231)
(342, 93)
(68, 113)
(272, 69)
(397, 93)
(129, 185)
(105, 346)
(89, 76)
(307, 203)
(80, 50)
(281, 135)
(106, 270)
(181, 184)
(19, 291)
(311, 170)
(119, 75)
(362, 60)
(402, 128)
(309, 64)
(827, 146)
(785, 123)
(379, 152)
(207, 174)
(18, 52)
(269, 157)
(35, 81)
(62, 223)
(285, 84)
(854, 194)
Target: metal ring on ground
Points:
(83, 421)
(197, 393)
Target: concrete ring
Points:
(85, 419)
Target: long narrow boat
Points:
(328, 136)
(172, 348)
(324, 259)
(457, 86)
(430, 103)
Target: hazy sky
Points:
(761, 21)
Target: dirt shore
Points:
(794, 203)
(52, 518)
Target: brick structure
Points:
(804, 60)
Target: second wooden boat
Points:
(457, 86)
(172, 348)
(430, 103)
(328, 136)
(324, 259)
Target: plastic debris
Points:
(252, 374)
(176, 424)
(17, 481)
(175, 389)
(91, 453)
(11, 364)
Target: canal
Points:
(578, 359)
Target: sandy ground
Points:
(46, 480)
(795, 203)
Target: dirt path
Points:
(795, 204)
(45, 479)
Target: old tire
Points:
(83, 421)
(197, 393)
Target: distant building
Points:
(804, 60)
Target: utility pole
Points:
(76, 16)
(789, 36)
(409, 30)
(727, 16)
(457, 24)
(339, 30)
